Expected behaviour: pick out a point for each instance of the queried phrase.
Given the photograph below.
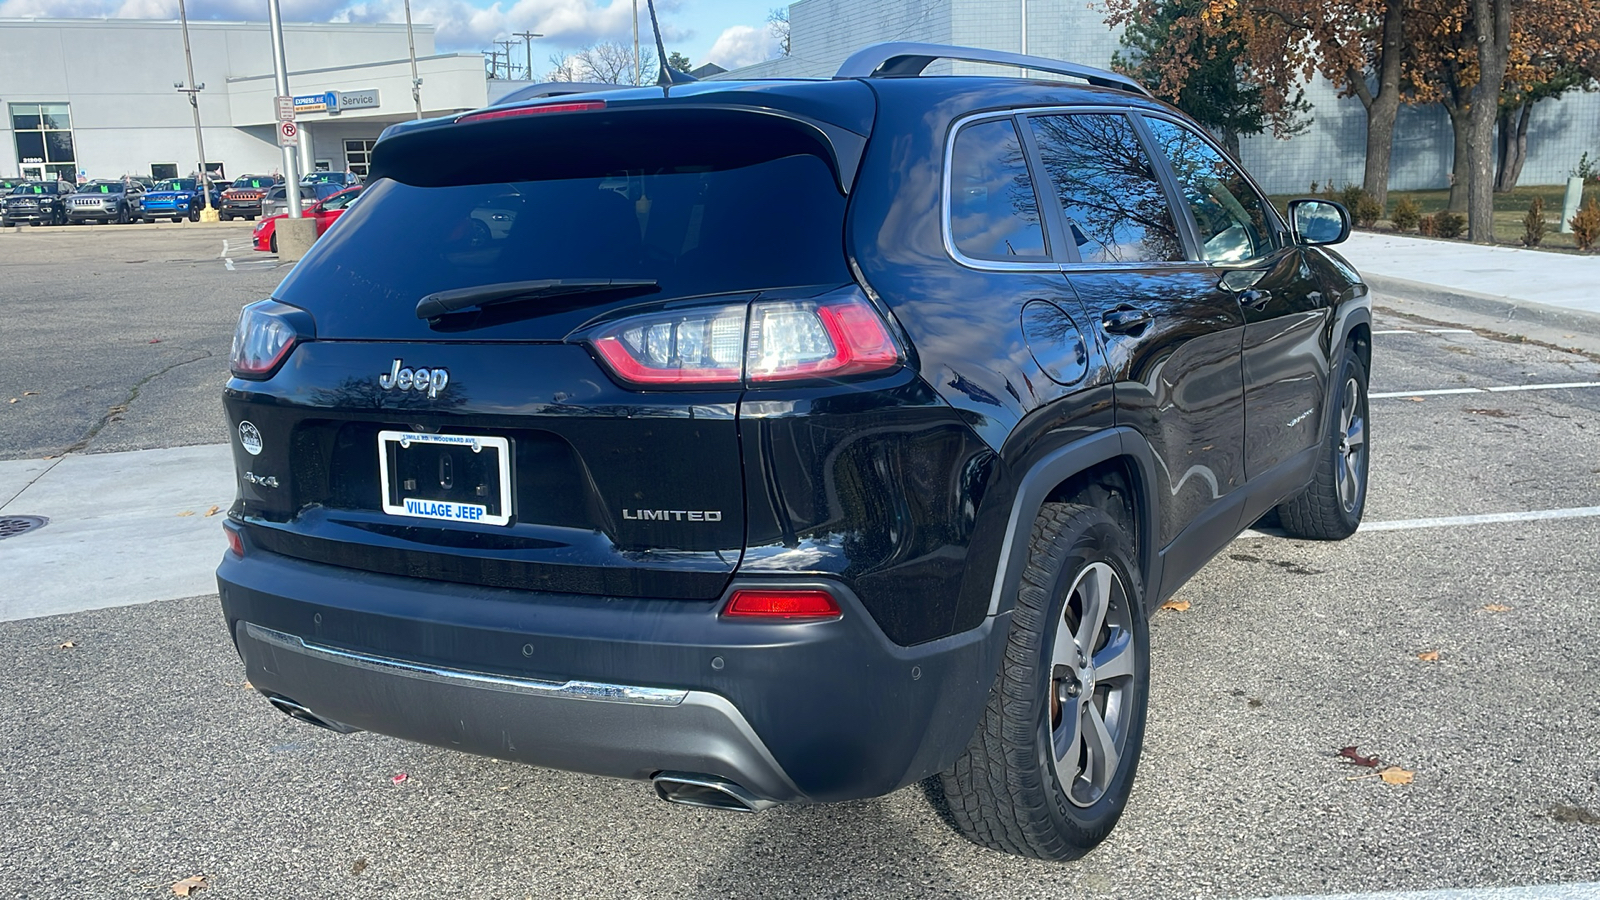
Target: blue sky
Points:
(728, 32)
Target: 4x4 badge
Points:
(430, 380)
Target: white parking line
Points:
(1583, 891)
(228, 262)
(1562, 386)
(1575, 512)
(1425, 331)
(224, 253)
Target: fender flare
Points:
(1057, 466)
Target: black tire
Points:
(1005, 792)
(1330, 508)
(122, 216)
(249, 218)
(177, 218)
(274, 240)
(224, 217)
(194, 214)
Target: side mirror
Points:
(1318, 222)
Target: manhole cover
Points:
(11, 526)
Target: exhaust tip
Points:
(295, 711)
(707, 792)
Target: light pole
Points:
(411, 47)
(280, 77)
(527, 38)
(207, 214)
(636, 75)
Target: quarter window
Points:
(1115, 208)
(1231, 218)
(994, 211)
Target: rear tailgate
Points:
(608, 489)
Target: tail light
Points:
(267, 332)
(568, 106)
(789, 604)
(769, 340)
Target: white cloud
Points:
(459, 24)
(743, 45)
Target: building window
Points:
(357, 156)
(43, 133)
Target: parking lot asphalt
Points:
(1462, 653)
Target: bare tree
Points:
(607, 62)
(562, 68)
(778, 27)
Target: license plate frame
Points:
(436, 509)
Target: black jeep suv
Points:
(786, 441)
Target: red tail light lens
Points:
(571, 106)
(837, 334)
(267, 332)
(702, 346)
(235, 540)
(789, 604)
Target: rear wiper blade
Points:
(445, 302)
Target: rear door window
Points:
(1115, 208)
(1232, 220)
(994, 210)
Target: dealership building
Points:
(99, 98)
(1331, 150)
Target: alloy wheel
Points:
(1092, 665)
(1351, 468)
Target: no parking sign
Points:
(288, 134)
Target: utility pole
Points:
(527, 38)
(280, 77)
(207, 214)
(505, 53)
(411, 46)
(494, 63)
(637, 76)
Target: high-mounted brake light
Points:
(790, 604)
(570, 106)
(265, 336)
(774, 340)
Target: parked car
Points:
(244, 197)
(844, 441)
(325, 212)
(176, 199)
(345, 179)
(37, 203)
(277, 200)
(106, 201)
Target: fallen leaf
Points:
(155, 340)
(212, 511)
(359, 866)
(1417, 399)
(52, 456)
(1396, 775)
(1497, 607)
(118, 409)
(187, 512)
(30, 393)
(248, 686)
(1254, 702)
(400, 779)
(15, 400)
(1575, 815)
(189, 885)
(1350, 753)
(1176, 605)
(66, 645)
(1428, 656)
(1492, 413)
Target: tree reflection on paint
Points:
(994, 212)
(1113, 202)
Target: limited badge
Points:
(250, 438)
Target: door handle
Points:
(1126, 320)
(1256, 300)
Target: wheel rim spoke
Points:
(1355, 433)
(1068, 745)
(1115, 660)
(1095, 589)
(1101, 747)
(1065, 651)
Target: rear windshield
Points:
(695, 229)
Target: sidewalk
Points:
(1560, 290)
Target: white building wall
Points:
(118, 75)
(1332, 149)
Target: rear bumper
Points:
(820, 711)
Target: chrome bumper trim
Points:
(573, 690)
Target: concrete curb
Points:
(1505, 309)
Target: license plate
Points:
(446, 477)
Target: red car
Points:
(325, 211)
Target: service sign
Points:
(365, 99)
(310, 103)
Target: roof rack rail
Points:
(904, 59)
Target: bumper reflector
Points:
(782, 604)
